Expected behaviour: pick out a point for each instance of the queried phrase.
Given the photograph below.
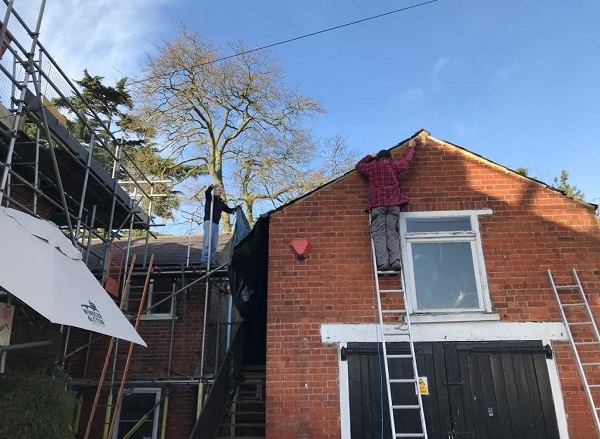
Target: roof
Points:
(72, 159)
(170, 251)
(423, 132)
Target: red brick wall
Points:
(150, 364)
(532, 228)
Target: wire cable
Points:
(268, 46)
(312, 34)
(289, 40)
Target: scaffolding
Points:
(93, 190)
(46, 171)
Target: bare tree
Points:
(235, 116)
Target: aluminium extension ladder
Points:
(398, 383)
(583, 335)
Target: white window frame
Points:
(473, 237)
(152, 315)
(155, 417)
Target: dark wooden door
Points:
(477, 390)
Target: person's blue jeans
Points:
(210, 230)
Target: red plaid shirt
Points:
(384, 179)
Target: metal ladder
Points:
(577, 316)
(395, 407)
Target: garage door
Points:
(476, 390)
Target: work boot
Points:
(383, 267)
(396, 266)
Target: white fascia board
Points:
(446, 213)
(447, 331)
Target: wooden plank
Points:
(500, 390)
(489, 404)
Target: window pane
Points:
(161, 289)
(145, 431)
(134, 406)
(158, 289)
(135, 296)
(444, 276)
(438, 224)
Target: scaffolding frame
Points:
(29, 80)
(47, 172)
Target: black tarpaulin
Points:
(248, 268)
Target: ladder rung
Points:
(580, 323)
(403, 380)
(587, 343)
(572, 304)
(389, 291)
(406, 407)
(400, 356)
(410, 435)
(590, 364)
(594, 385)
(566, 287)
(393, 311)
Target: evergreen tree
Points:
(103, 110)
(562, 184)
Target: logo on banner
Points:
(6, 319)
(93, 314)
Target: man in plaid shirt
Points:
(385, 198)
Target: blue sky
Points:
(514, 81)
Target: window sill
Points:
(156, 317)
(440, 317)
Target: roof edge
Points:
(478, 156)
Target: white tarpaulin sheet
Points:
(40, 266)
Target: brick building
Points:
(89, 185)
(187, 333)
(477, 241)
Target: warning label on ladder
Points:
(423, 386)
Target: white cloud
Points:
(411, 96)
(464, 128)
(438, 69)
(503, 75)
(506, 73)
(439, 66)
(405, 99)
(108, 37)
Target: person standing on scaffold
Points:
(211, 227)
